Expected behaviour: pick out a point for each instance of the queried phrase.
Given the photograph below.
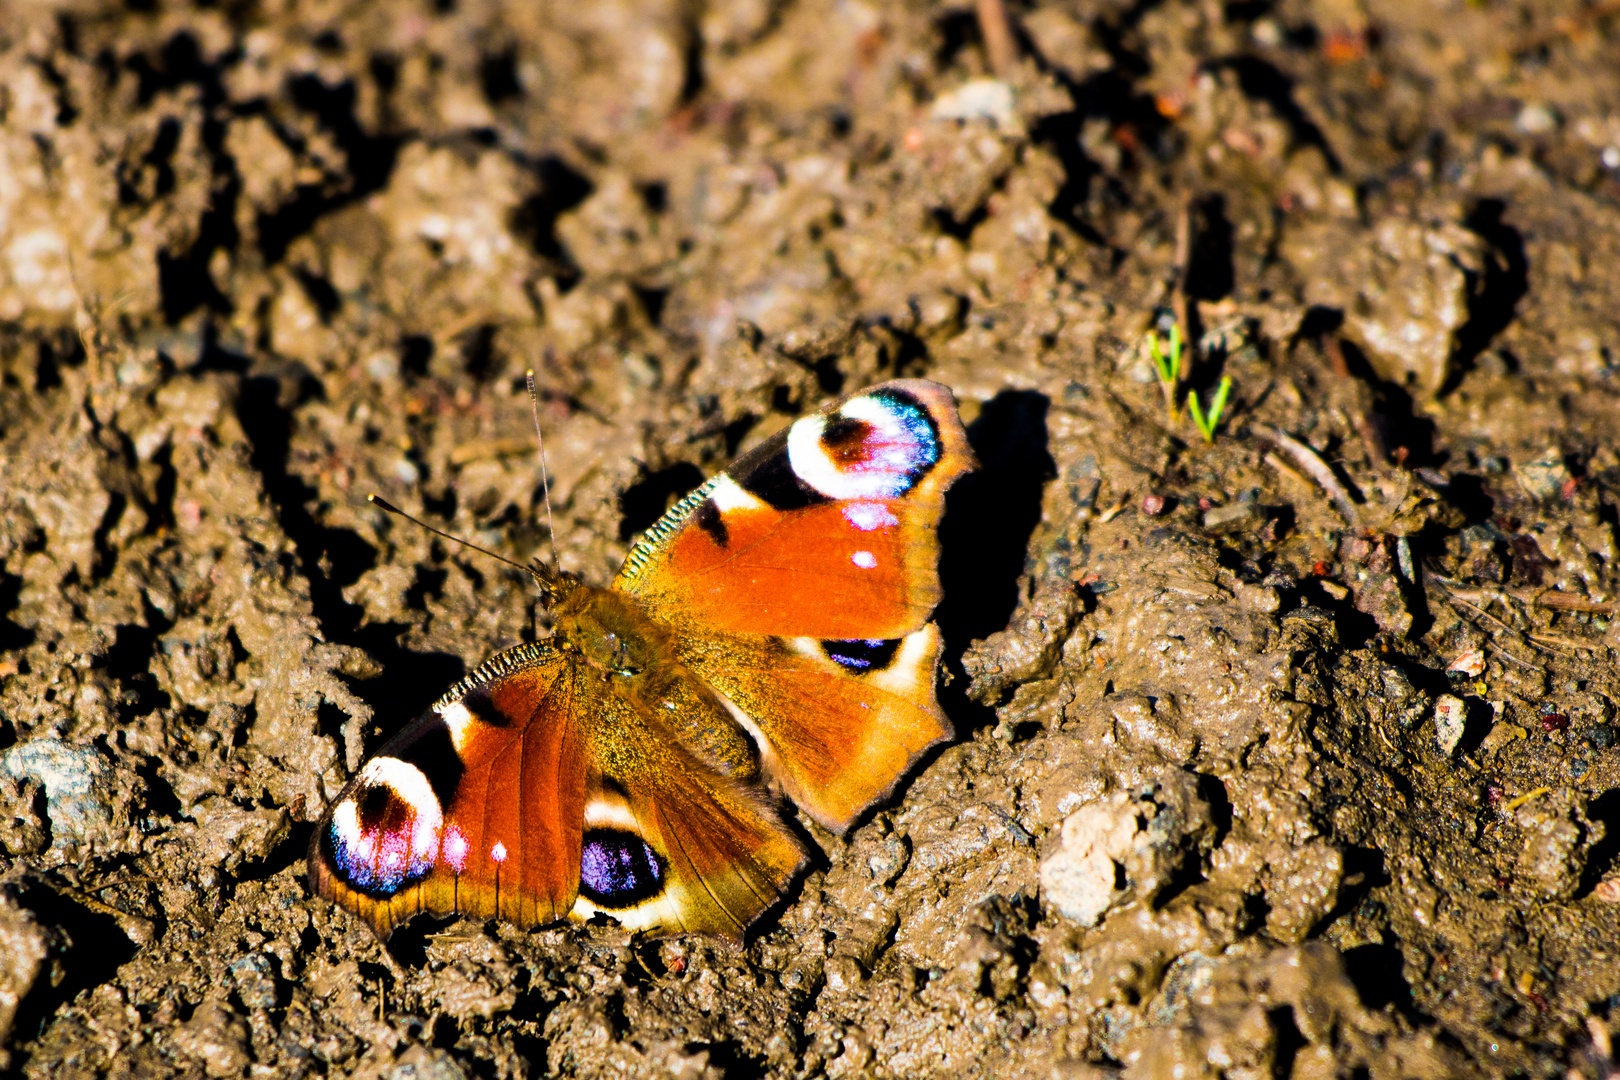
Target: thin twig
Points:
(1551, 599)
(1563, 601)
(1483, 612)
(1000, 46)
(1531, 665)
(1494, 646)
(1318, 470)
(1566, 642)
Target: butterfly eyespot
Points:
(870, 654)
(876, 446)
(386, 834)
(870, 516)
(618, 869)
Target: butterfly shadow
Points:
(990, 515)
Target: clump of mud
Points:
(1293, 753)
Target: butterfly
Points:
(769, 636)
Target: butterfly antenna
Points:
(545, 482)
(392, 509)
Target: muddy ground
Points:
(1289, 755)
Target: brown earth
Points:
(1291, 755)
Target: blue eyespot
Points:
(618, 869)
(862, 654)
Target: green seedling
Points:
(1207, 422)
(1168, 365)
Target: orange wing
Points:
(840, 722)
(531, 794)
(798, 584)
(827, 530)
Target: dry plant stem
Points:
(1562, 601)
(1495, 646)
(1179, 301)
(1317, 470)
(1564, 642)
(1552, 599)
(1000, 47)
(1170, 408)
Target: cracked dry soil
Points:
(1293, 755)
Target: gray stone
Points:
(76, 781)
(1543, 478)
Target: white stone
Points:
(1126, 847)
(1450, 718)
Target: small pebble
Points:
(383, 365)
(1397, 686)
(1450, 719)
(981, 99)
(1234, 516)
(1470, 663)
(1536, 120)
(1153, 505)
(1544, 477)
(1601, 737)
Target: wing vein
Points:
(676, 837)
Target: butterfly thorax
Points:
(636, 657)
(606, 629)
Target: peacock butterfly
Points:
(768, 636)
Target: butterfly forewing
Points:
(472, 808)
(827, 530)
(800, 582)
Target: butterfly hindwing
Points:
(840, 721)
(717, 852)
(827, 530)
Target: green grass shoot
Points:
(1168, 366)
(1207, 422)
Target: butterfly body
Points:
(769, 636)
